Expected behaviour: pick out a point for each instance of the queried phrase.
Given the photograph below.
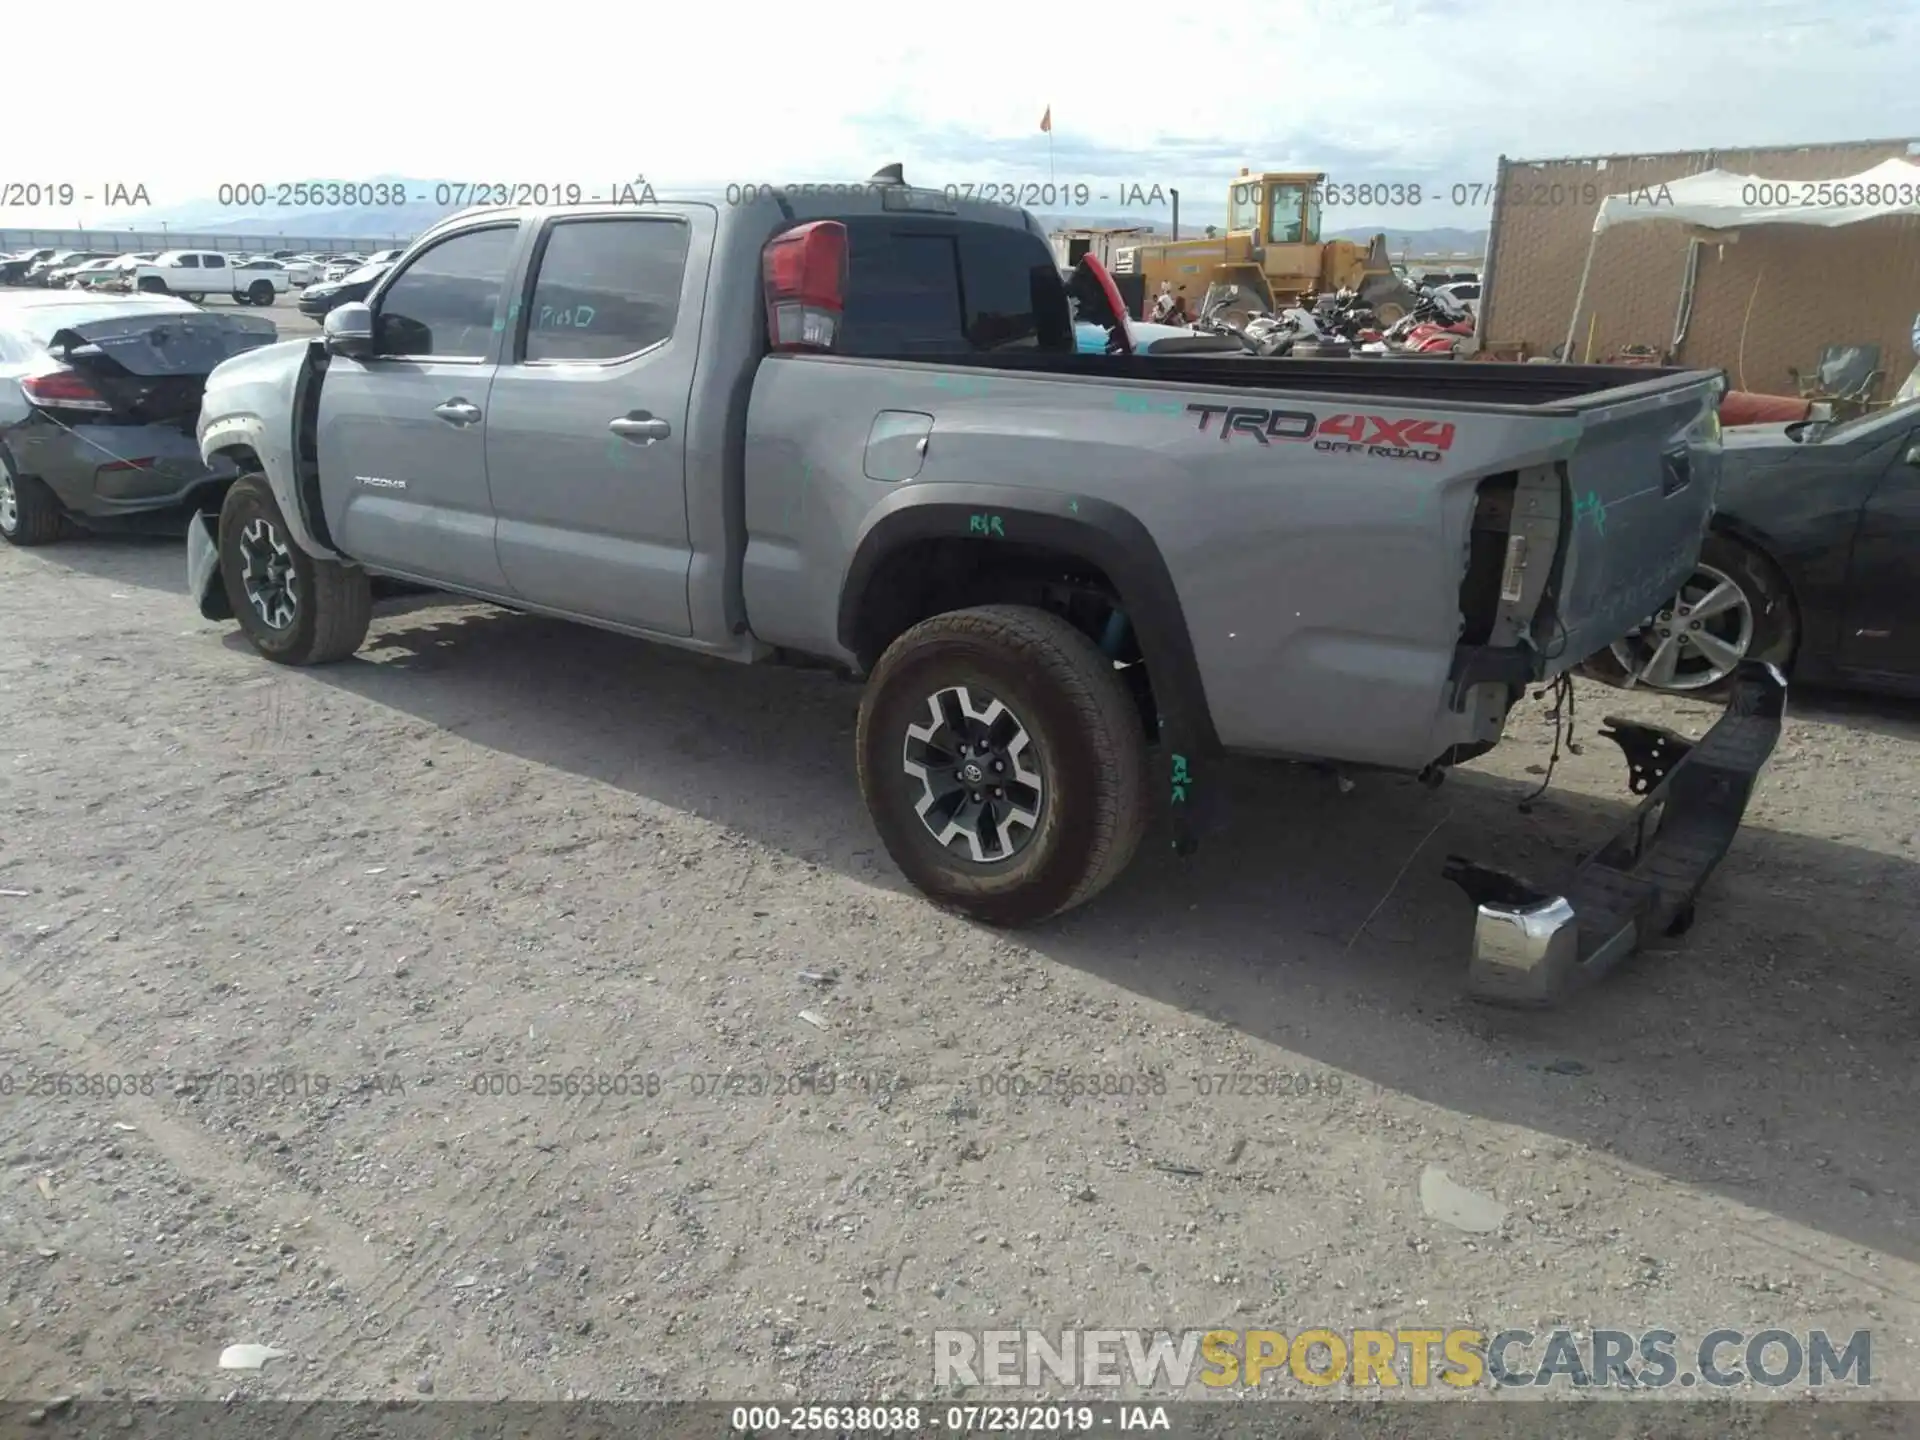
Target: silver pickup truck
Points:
(852, 425)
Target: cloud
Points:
(1366, 90)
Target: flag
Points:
(1046, 120)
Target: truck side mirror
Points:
(348, 330)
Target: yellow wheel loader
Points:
(1272, 252)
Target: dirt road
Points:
(285, 957)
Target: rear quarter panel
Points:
(1320, 588)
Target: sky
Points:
(1369, 91)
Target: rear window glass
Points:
(938, 288)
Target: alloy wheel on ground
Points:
(9, 504)
(975, 780)
(1696, 640)
(267, 574)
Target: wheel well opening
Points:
(931, 576)
(244, 458)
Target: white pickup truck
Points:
(195, 274)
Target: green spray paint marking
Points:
(1147, 405)
(513, 314)
(1181, 779)
(1074, 506)
(985, 525)
(1594, 508)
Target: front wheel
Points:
(1003, 762)
(295, 608)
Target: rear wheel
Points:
(29, 514)
(296, 608)
(1003, 762)
(261, 292)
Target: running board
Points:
(1533, 948)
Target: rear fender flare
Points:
(1097, 531)
(249, 432)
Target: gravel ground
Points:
(334, 922)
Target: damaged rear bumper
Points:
(1533, 947)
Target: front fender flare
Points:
(248, 431)
(1098, 531)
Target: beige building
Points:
(1759, 304)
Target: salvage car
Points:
(320, 298)
(1150, 338)
(856, 429)
(98, 399)
(1813, 564)
(14, 267)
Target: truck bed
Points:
(1534, 388)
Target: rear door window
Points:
(606, 288)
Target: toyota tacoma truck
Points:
(852, 425)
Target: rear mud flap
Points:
(1533, 948)
(209, 591)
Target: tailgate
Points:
(1639, 490)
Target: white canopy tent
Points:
(1720, 200)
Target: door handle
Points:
(642, 428)
(458, 412)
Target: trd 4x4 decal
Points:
(1382, 437)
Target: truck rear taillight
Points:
(63, 390)
(804, 272)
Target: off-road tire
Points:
(333, 602)
(1090, 746)
(1776, 620)
(38, 518)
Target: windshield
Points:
(1283, 220)
(1243, 206)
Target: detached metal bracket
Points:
(1534, 947)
